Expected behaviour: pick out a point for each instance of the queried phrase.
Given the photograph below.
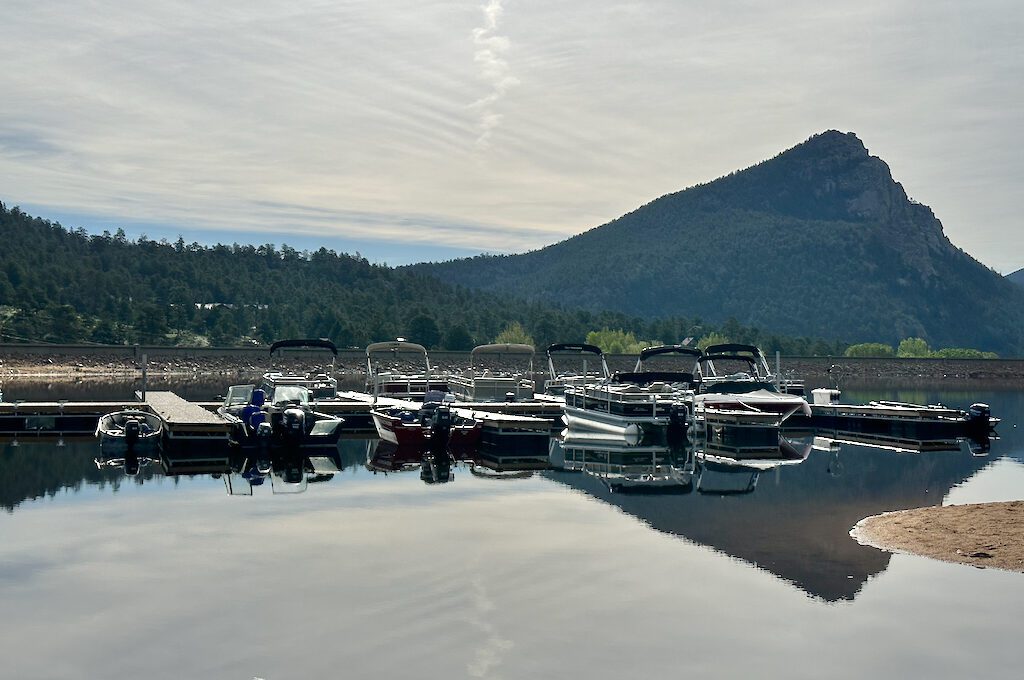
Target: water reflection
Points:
(784, 504)
(502, 571)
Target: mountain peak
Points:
(830, 176)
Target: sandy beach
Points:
(982, 535)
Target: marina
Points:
(749, 516)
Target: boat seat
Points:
(252, 413)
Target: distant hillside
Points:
(61, 285)
(818, 241)
(1016, 277)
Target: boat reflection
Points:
(630, 469)
(127, 461)
(284, 471)
(731, 460)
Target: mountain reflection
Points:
(797, 523)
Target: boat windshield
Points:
(290, 393)
(238, 394)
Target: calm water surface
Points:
(551, 575)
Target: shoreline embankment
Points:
(75, 361)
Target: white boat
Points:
(386, 375)
(284, 416)
(489, 377)
(638, 406)
(129, 429)
(743, 398)
(321, 384)
(558, 378)
(734, 361)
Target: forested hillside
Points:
(817, 241)
(62, 285)
(1016, 277)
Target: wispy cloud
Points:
(492, 125)
(491, 50)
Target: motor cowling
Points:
(132, 431)
(293, 423)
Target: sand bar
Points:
(982, 535)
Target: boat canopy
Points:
(322, 343)
(648, 352)
(648, 377)
(504, 348)
(574, 347)
(395, 346)
(731, 348)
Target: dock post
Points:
(145, 370)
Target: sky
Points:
(412, 131)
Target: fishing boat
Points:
(283, 417)
(900, 420)
(385, 375)
(130, 429)
(489, 377)
(638, 406)
(558, 378)
(434, 423)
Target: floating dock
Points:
(184, 419)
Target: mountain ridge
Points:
(819, 240)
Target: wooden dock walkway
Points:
(185, 419)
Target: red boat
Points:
(418, 429)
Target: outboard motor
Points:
(979, 416)
(132, 431)
(293, 424)
(440, 429)
(678, 422)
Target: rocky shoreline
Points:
(84, 361)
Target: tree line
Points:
(65, 285)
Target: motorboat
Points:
(643, 405)
(731, 362)
(386, 377)
(489, 377)
(901, 423)
(321, 383)
(432, 424)
(747, 397)
(130, 429)
(284, 416)
(558, 378)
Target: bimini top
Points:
(504, 348)
(322, 343)
(649, 352)
(395, 346)
(731, 348)
(574, 347)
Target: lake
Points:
(549, 574)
